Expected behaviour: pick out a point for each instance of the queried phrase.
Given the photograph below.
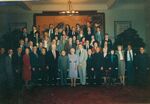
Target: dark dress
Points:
(26, 68)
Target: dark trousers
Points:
(35, 76)
(130, 73)
(18, 80)
(90, 75)
(53, 74)
(44, 75)
(98, 75)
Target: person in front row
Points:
(142, 67)
(97, 65)
(121, 64)
(43, 66)
(105, 66)
(89, 68)
(52, 60)
(63, 66)
(26, 67)
(82, 57)
(34, 59)
(73, 64)
(113, 66)
(130, 63)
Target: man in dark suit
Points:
(142, 66)
(34, 59)
(43, 66)
(18, 65)
(9, 71)
(130, 59)
(2, 72)
(73, 32)
(52, 60)
(87, 45)
(113, 66)
(97, 65)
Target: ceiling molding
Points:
(110, 3)
(27, 5)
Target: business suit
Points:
(53, 66)
(142, 64)
(2, 74)
(113, 64)
(34, 59)
(90, 72)
(82, 54)
(130, 63)
(97, 64)
(18, 67)
(86, 47)
(105, 65)
(43, 70)
(9, 72)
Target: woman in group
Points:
(121, 64)
(73, 63)
(26, 67)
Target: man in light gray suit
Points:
(82, 54)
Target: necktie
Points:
(130, 56)
(80, 53)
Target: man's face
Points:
(80, 46)
(19, 50)
(129, 47)
(10, 51)
(142, 50)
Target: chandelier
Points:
(70, 10)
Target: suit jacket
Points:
(134, 56)
(82, 57)
(113, 63)
(34, 59)
(9, 71)
(142, 61)
(51, 61)
(105, 61)
(2, 69)
(89, 62)
(97, 60)
(90, 47)
(18, 62)
(42, 61)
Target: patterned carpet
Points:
(87, 95)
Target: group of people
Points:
(82, 52)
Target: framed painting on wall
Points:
(121, 26)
